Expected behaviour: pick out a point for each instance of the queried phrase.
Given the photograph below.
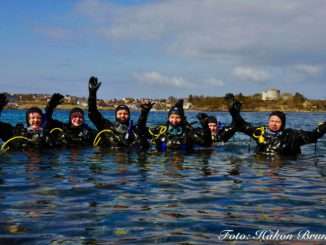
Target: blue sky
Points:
(144, 48)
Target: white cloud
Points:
(250, 74)
(274, 32)
(311, 70)
(155, 78)
(214, 82)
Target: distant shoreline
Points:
(254, 103)
(67, 108)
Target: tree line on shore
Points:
(296, 102)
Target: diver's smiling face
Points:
(77, 119)
(35, 120)
(274, 123)
(122, 116)
(213, 128)
(175, 119)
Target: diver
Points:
(122, 133)
(178, 134)
(74, 133)
(219, 133)
(274, 139)
(6, 130)
(17, 137)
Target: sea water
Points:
(91, 196)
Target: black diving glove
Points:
(147, 106)
(56, 100)
(229, 97)
(322, 128)
(203, 119)
(93, 85)
(3, 101)
(233, 104)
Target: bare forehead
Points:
(174, 115)
(122, 111)
(34, 114)
(77, 114)
(274, 118)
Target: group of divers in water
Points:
(43, 131)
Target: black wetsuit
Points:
(6, 131)
(69, 135)
(286, 142)
(223, 134)
(183, 137)
(118, 135)
(18, 137)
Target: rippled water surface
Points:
(88, 196)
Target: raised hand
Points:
(235, 107)
(229, 97)
(3, 100)
(147, 105)
(93, 84)
(203, 118)
(233, 104)
(322, 128)
(56, 100)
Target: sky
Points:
(162, 48)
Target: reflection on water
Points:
(91, 196)
(86, 196)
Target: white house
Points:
(271, 94)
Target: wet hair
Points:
(33, 110)
(281, 116)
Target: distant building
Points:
(271, 94)
(286, 96)
(12, 105)
(187, 105)
(127, 100)
(132, 107)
